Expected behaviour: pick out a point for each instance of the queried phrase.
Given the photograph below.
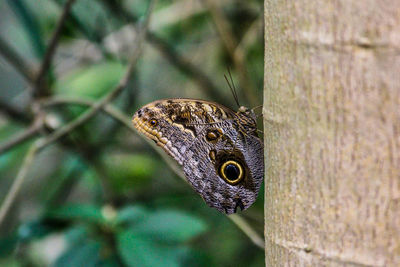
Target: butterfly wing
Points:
(228, 171)
(221, 156)
(174, 124)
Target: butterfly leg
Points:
(239, 204)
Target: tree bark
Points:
(332, 133)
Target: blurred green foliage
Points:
(101, 196)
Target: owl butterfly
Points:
(218, 148)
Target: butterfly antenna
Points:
(256, 107)
(232, 87)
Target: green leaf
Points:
(78, 212)
(32, 229)
(170, 226)
(85, 255)
(92, 81)
(76, 235)
(131, 214)
(130, 172)
(196, 258)
(10, 262)
(30, 23)
(110, 262)
(12, 158)
(139, 251)
(7, 245)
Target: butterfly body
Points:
(218, 148)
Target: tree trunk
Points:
(332, 133)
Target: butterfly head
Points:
(147, 122)
(246, 112)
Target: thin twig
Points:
(185, 66)
(236, 53)
(40, 88)
(16, 61)
(250, 37)
(23, 136)
(248, 230)
(182, 63)
(239, 221)
(108, 108)
(16, 186)
(110, 96)
(42, 143)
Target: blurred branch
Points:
(186, 67)
(108, 108)
(248, 230)
(115, 114)
(236, 53)
(239, 221)
(42, 143)
(223, 27)
(94, 36)
(180, 62)
(16, 186)
(19, 63)
(250, 37)
(23, 136)
(110, 96)
(183, 64)
(13, 113)
(41, 89)
(16, 61)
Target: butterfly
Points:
(218, 149)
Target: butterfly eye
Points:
(153, 122)
(232, 172)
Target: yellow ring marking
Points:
(231, 182)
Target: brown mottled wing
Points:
(179, 121)
(181, 126)
(202, 171)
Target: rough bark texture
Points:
(332, 132)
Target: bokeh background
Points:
(101, 195)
